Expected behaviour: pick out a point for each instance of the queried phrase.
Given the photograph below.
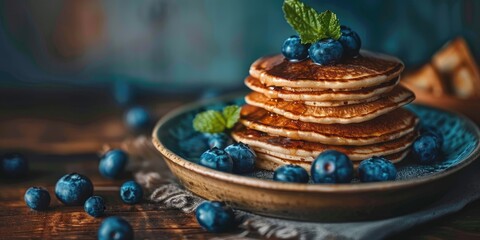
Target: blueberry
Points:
(291, 173)
(73, 189)
(94, 206)
(326, 52)
(123, 93)
(376, 169)
(113, 163)
(435, 132)
(350, 41)
(427, 149)
(332, 167)
(138, 118)
(115, 228)
(14, 165)
(216, 159)
(194, 146)
(218, 140)
(37, 198)
(243, 157)
(294, 50)
(215, 216)
(131, 192)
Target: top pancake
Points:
(368, 69)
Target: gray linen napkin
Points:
(168, 193)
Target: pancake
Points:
(387, 127)
(329, 115)
(340, 103)
(269, 162)
(298, 150)
(323, 94)
(368, 69)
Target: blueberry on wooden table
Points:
(243, 157)
(291, 173)
(95, 206)
(73, 189)
(215, 216)
(131, 192)
(332, 167)
(376, 169)
(14, 165)
(112, 164)
(138, 118)
(217, 159)
(115, 228)
(37, 198)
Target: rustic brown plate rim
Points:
(299, 187)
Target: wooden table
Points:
(58, 140)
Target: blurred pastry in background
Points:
(452, 71)
(451, 80)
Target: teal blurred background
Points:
(189, 45)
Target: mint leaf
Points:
(210, 121)
(231, 115)
(330, 25)
(310, 25)
(304, 19)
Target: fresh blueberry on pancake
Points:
(294, 50)
(350, 41)
(326, 52)
(291, 173)
(376, 169)
(332, 167)
(216, 159)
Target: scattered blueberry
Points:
(193, 146)
(332, 167)
(218, 140)
(14, 165)
(131, 192)
(138, 118)
(210, 93)
(243, 157)
(433, 131)
(123, 92)
(326, 52)
(112, 164)
(37, 198)
(350, 41)
(115, 228)
(426, 149)
(73, 189)
(291, 173)
(376, 169)
(215, 216)
(294, 50)
(94, 206)
(216, 159)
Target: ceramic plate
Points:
(416, 185)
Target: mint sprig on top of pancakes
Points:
(320, 35)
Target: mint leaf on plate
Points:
(310, 25)
(330, 25)
(303, 19)
(210, 121)
(231, 115)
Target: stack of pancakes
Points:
(300, 109)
